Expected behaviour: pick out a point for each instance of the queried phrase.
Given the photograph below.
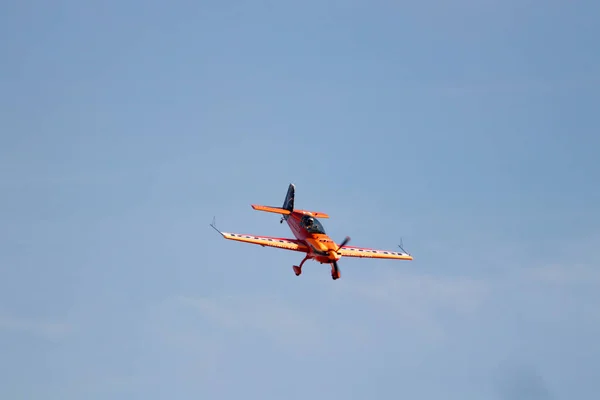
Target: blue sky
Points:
(469, 129)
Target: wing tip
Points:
(214, 226)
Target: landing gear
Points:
(298, 268)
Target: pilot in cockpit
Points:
(309, 223)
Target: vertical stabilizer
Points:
(288, 204)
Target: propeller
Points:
(335, 267)
(344, 242)
(335, 264)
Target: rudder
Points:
(288, 203)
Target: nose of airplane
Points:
(320, 245)
(334, 255)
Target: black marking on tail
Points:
(288, 204)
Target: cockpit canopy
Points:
(312, 224)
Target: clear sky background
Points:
(470, 129)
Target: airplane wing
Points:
(351, 251)
(282, 243)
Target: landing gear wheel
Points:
(298, 268)
(335, 275)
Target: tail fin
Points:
(288, 203)
(288, 207)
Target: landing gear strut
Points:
(298, 268)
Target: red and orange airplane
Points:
(310, 238)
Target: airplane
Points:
(310, 238)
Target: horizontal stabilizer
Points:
(283, 211)
(276, 210)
